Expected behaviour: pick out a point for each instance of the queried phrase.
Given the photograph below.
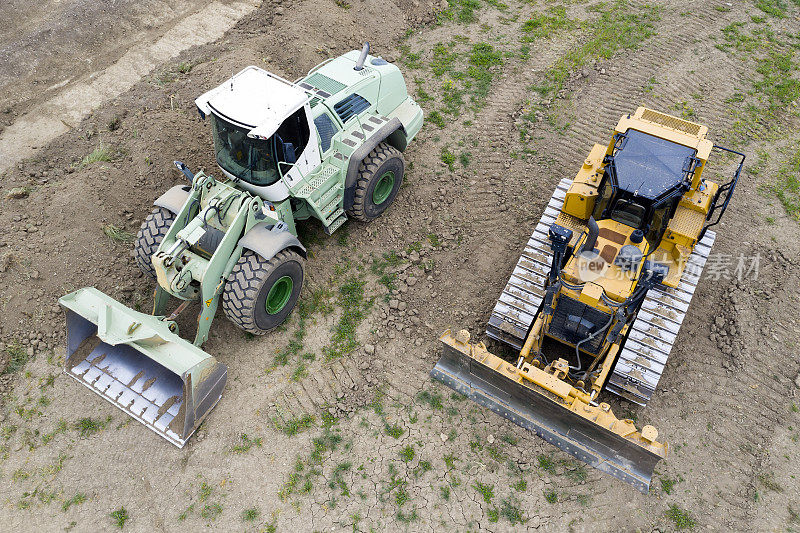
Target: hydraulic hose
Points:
(587, 339)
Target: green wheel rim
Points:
(279, 294)
(383, 189)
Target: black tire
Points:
(150, 235)
(244, 298)
(382, 160)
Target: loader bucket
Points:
(588, 441)
(137, 363)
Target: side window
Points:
(292, 137)
(601, 202)
(661, 218)
(326, 129)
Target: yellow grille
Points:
(570, 222)
(687, 222)
(671, 122)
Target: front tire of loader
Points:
(259, 294)
(150, 235)
(379, 178)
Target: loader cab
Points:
(264, 137)
(644, 179)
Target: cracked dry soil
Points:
(315, 435)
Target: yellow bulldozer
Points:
(596, 300)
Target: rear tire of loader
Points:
(379, 178)
(150, 235)
(259, 294)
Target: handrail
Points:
(316, 68)
(726, 189)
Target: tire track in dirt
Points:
(46, 121)
(342, 379)
(595, 109)
(753, 394)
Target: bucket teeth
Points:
(161, 380)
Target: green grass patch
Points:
(551, 496)
(407, 454)
(295, 425)
(433, 399)
(407, 518)
(485, 490)
(434, 117)
(668, 484)
(394, 431)
(448, 158)
(354, 308)
(78, 499)
(578, 473)
(547, 464)
(205, 491)
(119, 517)
(450, 461)
(777, 83)
(680, 517)
(337, 479)
(443, 58)
(775, 8)
(306, 470)
(774, 88)
(410, 59)
(17, 357)
(117, 234)
(100, 153)
(211, 511)
(251, 514)
(88, 426)
(787, 185)
(618, 26)
(246, 443)
(462, 11)
(511, 511)
(484, 63)
(545, 25)
(401, 497)
(299, 372)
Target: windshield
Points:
(251, 160)
(628, 213)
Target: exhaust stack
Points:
(362, 57)
(591, 238)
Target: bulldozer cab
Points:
(644, 179)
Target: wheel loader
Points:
(595, 302)
(328, 146)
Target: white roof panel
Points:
(255, 98)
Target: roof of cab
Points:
(650, 166)
(255, 99)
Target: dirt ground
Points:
(317, 431)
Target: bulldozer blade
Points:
(135, 361)
(587, 441)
